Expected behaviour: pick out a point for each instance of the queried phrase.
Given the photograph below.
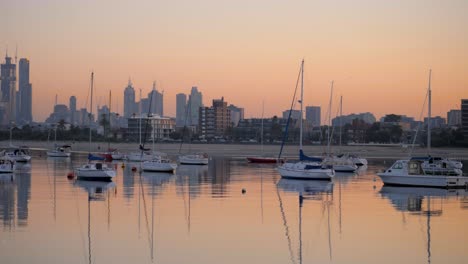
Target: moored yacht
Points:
(194, 159)
(158, 163)
(411, 173)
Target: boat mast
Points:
(91, 109)
(429, 113)
(109, 128)
(261, 131)
(341, 114)
(329, 118)
(302, 98)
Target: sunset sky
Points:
(378, 52)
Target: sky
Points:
(378, 53)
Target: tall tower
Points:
(157, 101)
(129, 100)
(25, 92)
(181, 107)
(8, 91)
(73, 113)
(194, 104)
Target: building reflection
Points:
(7, 199)
(15, 193)
(23, 195)
(219, 176)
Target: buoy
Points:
(243, 191)
(134, 169)
(70, 175)
(123, 165)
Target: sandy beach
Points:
(244, 150)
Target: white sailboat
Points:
(7, 165)
(425, 171)
(59, 151)
(306, 167)
(340, 163)
(15, 153)
(191, 158)
(94, 170)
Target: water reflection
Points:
(423, 202)
(7, 199)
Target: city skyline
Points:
(372, 50)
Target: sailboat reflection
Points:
(96, 192)
(307, 190)
(411, 199)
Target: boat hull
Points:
(90, 172)
(439, 181)
(300, 171)
(151, 166)
(58, 154)
(345, 168)
(186, 160)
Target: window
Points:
(397, 166)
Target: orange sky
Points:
(378, 52)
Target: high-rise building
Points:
(25, 93)
(73, 113)
(313, 114)
(295, 114)
(464, 116)
(8, 92)
(237, 114)
(156, 102)
(194, 104)
(454, 117)
(181, 108)
(436, 121)
(129, 100)
(215, 120)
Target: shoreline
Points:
(245, 150)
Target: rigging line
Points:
(189, 106)
(419, 125)
(332, 132)
(146, 126)
(89, 229)
(286, 227)
(293, 102)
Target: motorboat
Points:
(17, 154)
(60, 151)
(411, 173)
(95, 171)
(158, 163)
(7, 165)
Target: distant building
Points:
(436, 121)
(158, 127)
(368, 118)
(25, 93)
(313, 115)
(157, 106)
(181, 109)
(129, 100)
(237, 114)
(214, 121)
(454, 117)
(61, 113)
(194, 103)
(295, 114)
(7, 92)
(73, 113)
(464, 113)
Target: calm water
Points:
(201, 215)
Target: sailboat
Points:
(340, 163)
(159, 162)
(425, 171)
(262, 158)
(94, 170)
(59, 151)
(191, 158)
(307, 167)
(15, 153)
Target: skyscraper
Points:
(454, 117)
(73, 113)
(313, 115)
(181, 107)
(215, 120)
(194, 104)
(25, 92)
(129, 100)
(8, 91)
(156, 102)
